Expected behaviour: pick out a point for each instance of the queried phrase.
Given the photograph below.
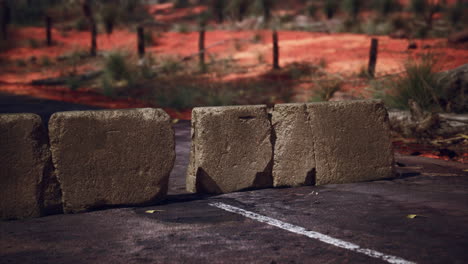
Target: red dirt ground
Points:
(344, 53)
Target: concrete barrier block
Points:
(347, 141)
(294, 156)
(106, 158)
(231, 149)
(24, 155)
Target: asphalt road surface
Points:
(349, 223)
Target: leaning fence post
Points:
(373, 57)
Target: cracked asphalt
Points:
(186, 229)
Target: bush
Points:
(117, 67)
(45, 61)
(81, 24)
(325, 89)
(353, 7)
(456, 13)
(118, 73)
(425, 9)
(181, 28)
(73, 83)
(419, 83)
(34, 43)
(386, 7)
(21, 63)
(170, 66)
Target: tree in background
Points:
(5, 18)
(457, 13)
(426, 9)
(330, 8)
(267, 6)
(386, 7)
(238, 8)
(219, 7)
(88, 7)
(353, 8)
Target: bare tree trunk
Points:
(275, 50)
(49, 30)
(141, 42)
(201, 48)
(373, 57)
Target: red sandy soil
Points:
(346, 54)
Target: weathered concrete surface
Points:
(24, 157)
(106, 158)
(294, 156)
(331, 142)
(231, 149)
(352, 141)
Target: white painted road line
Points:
(311, 234)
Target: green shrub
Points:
(181, 28)
(119, 73)
(353, 7)
(325, 89)
(170, 66)
(456, 13)
(257, 38)
(419, 83)
(81, 24)
(34, 43)
(178, 97)
(386, 7)
(116, 67)
(107, 87)
(73, 83)
(219, 97)
(45, 61)
(20, 63)
(425, 9)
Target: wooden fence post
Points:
(373, 57)
(141, 41)
(201, 48)
(93, 50)
(49, 30)
(275, 50)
